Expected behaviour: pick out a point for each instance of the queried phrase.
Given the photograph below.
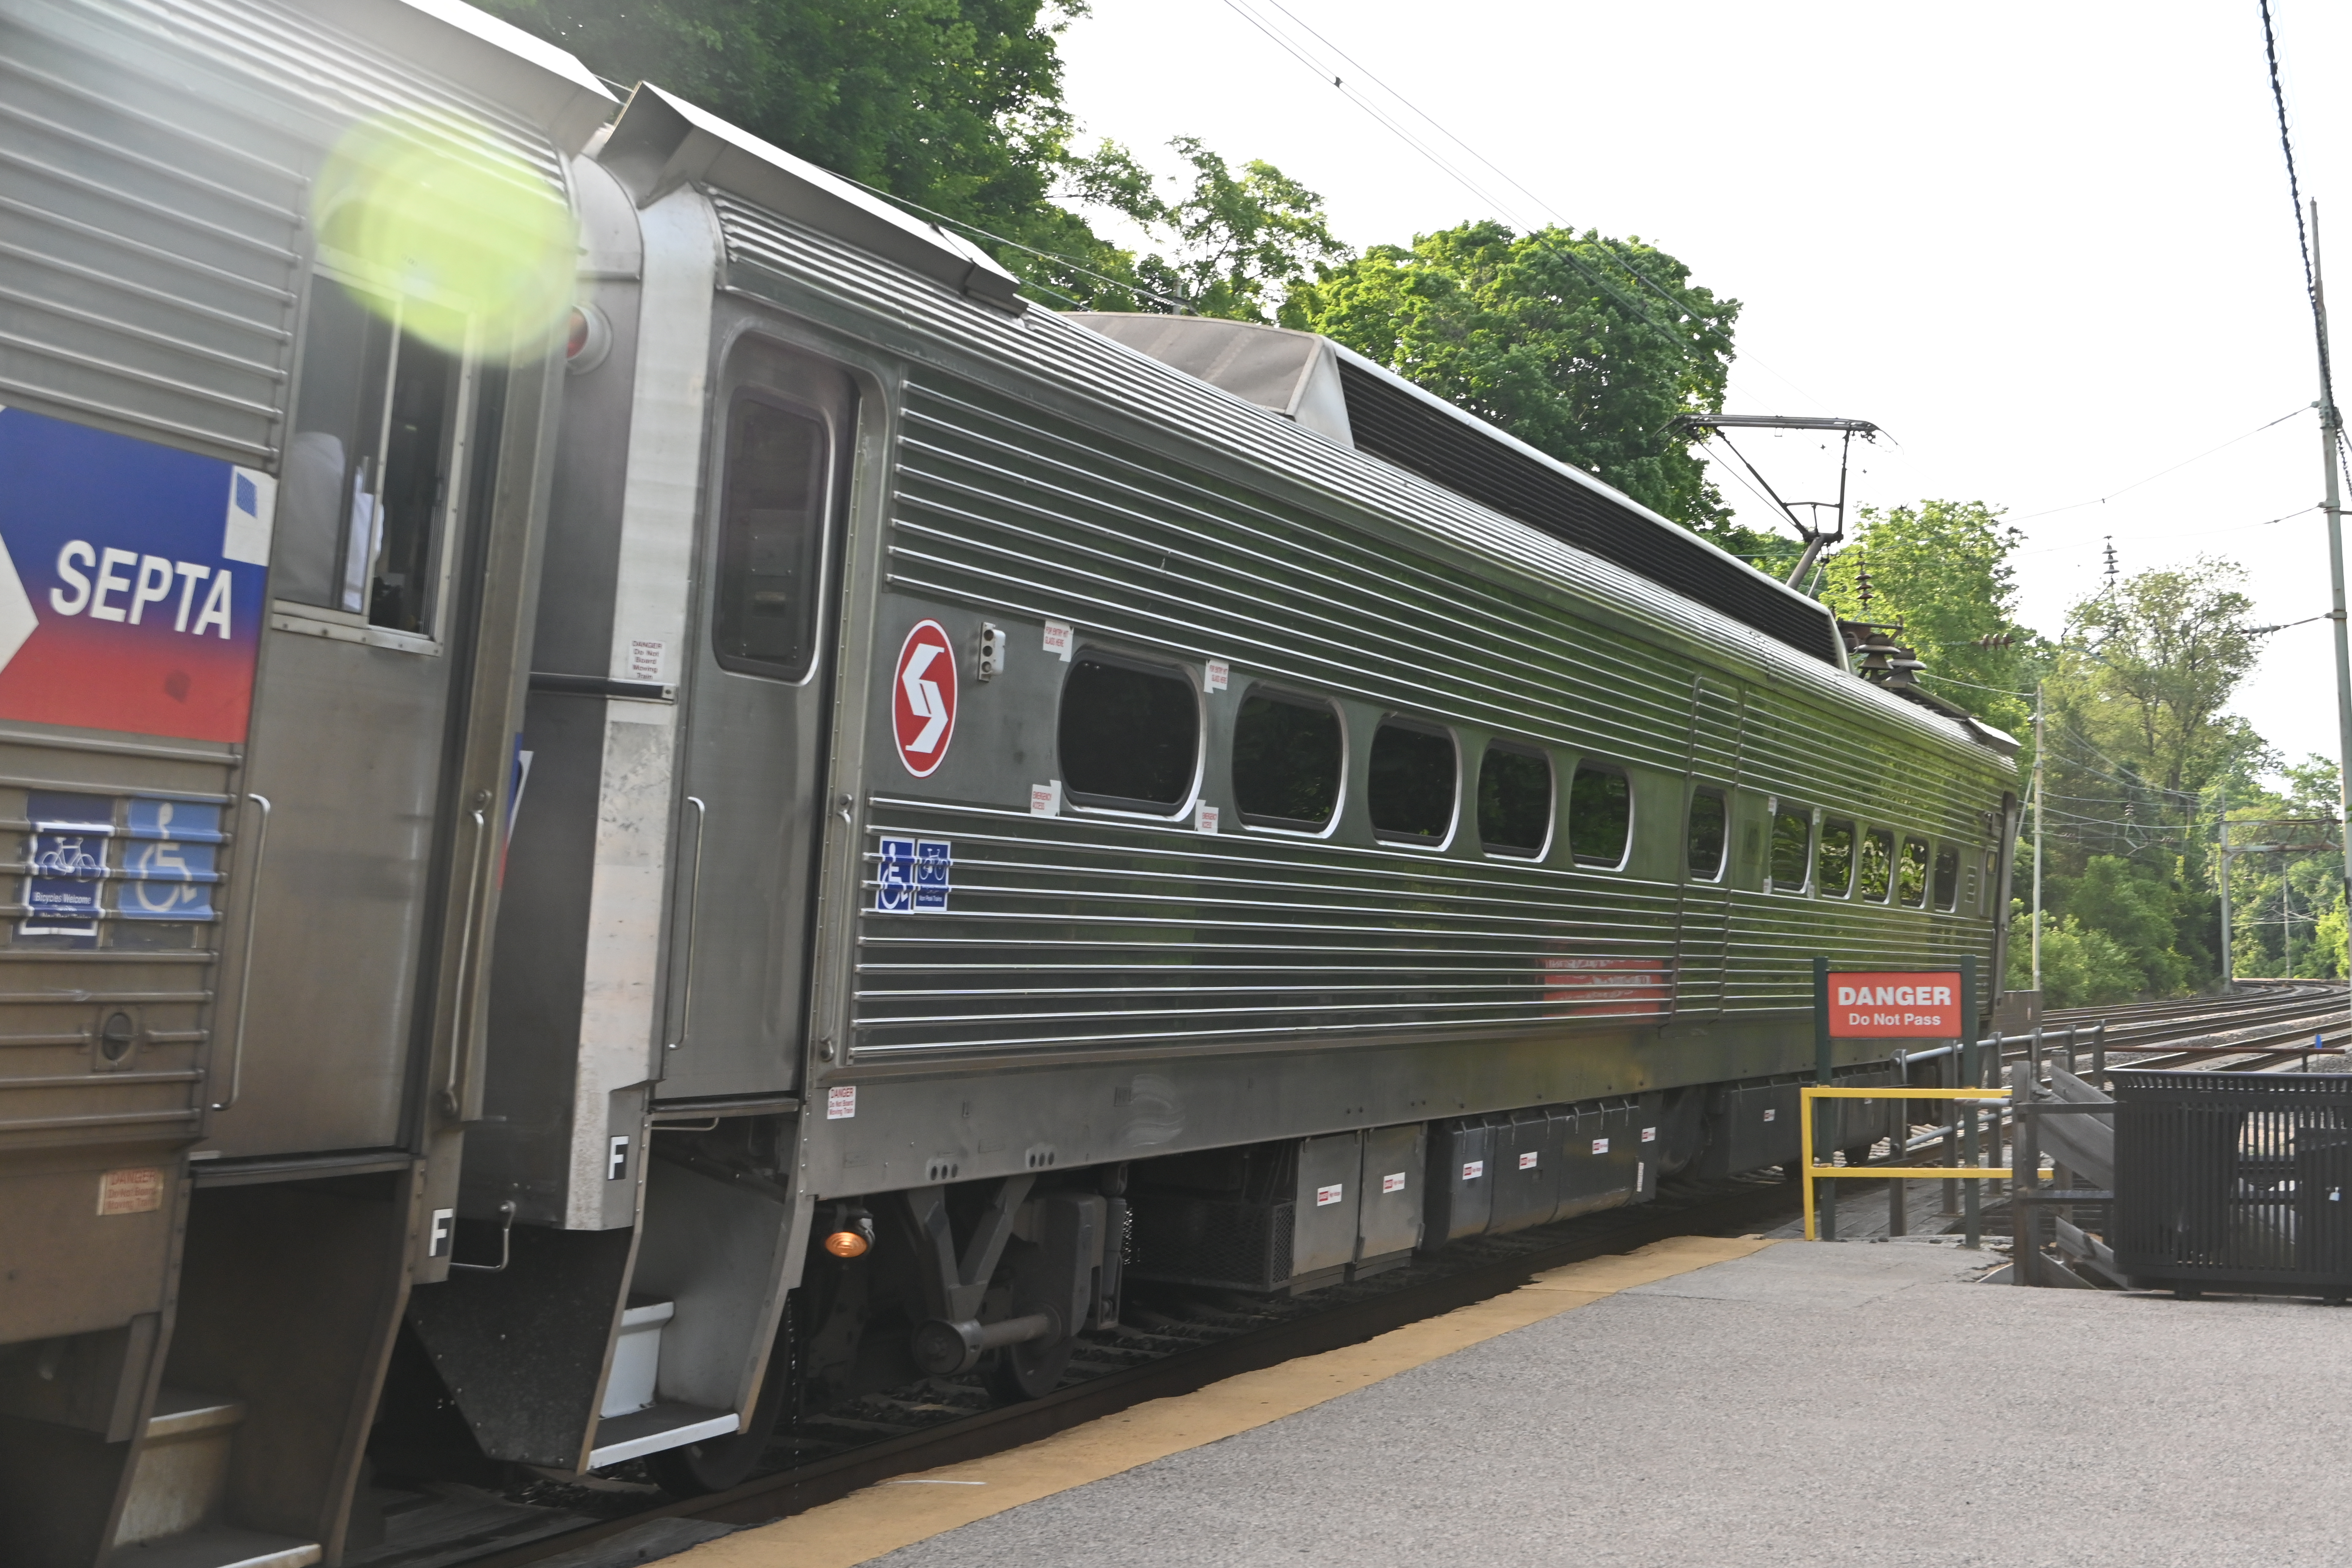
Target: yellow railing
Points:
(1809, 1093)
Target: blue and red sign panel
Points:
(131, 581)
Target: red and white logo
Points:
(923, 698)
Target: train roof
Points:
(1415, 460)
(1359, 403)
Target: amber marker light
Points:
(846, 1244)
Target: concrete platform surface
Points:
(1862, 1402)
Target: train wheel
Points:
(1027, 1372)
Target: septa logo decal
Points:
(923, 698)
(131, 581)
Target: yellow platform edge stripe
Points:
(883, 1518)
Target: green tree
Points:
(957, 106)
(1235, 245)
(2081, 966)
(1555, 338)
(1942, 570)
(2147, 668)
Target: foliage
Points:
(1235, 245)
(2286, 911)
(2147, 669)
(1557, 338)
(2082, 966)
(1942, 570)
(2139, 910)
(953, 103)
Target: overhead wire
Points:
(2151, 479)
(1389, 122)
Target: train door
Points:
(758, 679)
(368, 642)
(1717, 730)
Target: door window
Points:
(771, 538)
(364, 505)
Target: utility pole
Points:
(2331, 436)
(2229, 970)
(2039, 806)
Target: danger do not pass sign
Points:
(923, 698)
(1914, 1004)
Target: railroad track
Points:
(1173, 1342)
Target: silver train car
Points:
(821, 826)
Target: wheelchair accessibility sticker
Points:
(913, 876)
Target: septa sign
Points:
(1914, 1004)
(131, 581)
(923, 698)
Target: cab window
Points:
(364, 502)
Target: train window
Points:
(1707, 836)
(1287, 761)
(1835, 860)
(1413, 784)
(770, 539)
(1947, 879)
(1130, 734)
(1874, 860)
(1600, 815)
(1911, 874)
(366, 485)
(1792, 842)
(1514, 799)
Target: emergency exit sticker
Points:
(1394, 1182)
(1474, 1169)
(1218, 672)
(1058, 639)
(1325, 1197)
(1601, 1145)
(1527, 1160)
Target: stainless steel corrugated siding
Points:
(155, 161)
(1082, 933)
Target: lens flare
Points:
(442, 212)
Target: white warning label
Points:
(841, 1103)
(1325, 1197)
(1394, 1182)
(1527, 1160)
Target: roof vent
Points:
(1295, 374)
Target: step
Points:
(216, 1548)
(183, 1472)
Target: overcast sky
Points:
(2048, 247)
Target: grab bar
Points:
(693, 897)
(245, 963)
(461, 1053)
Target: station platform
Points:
(1701, 1401)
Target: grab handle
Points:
(693, 896)
(244, 961)
(461, 1043)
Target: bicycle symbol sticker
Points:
(66, 855)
